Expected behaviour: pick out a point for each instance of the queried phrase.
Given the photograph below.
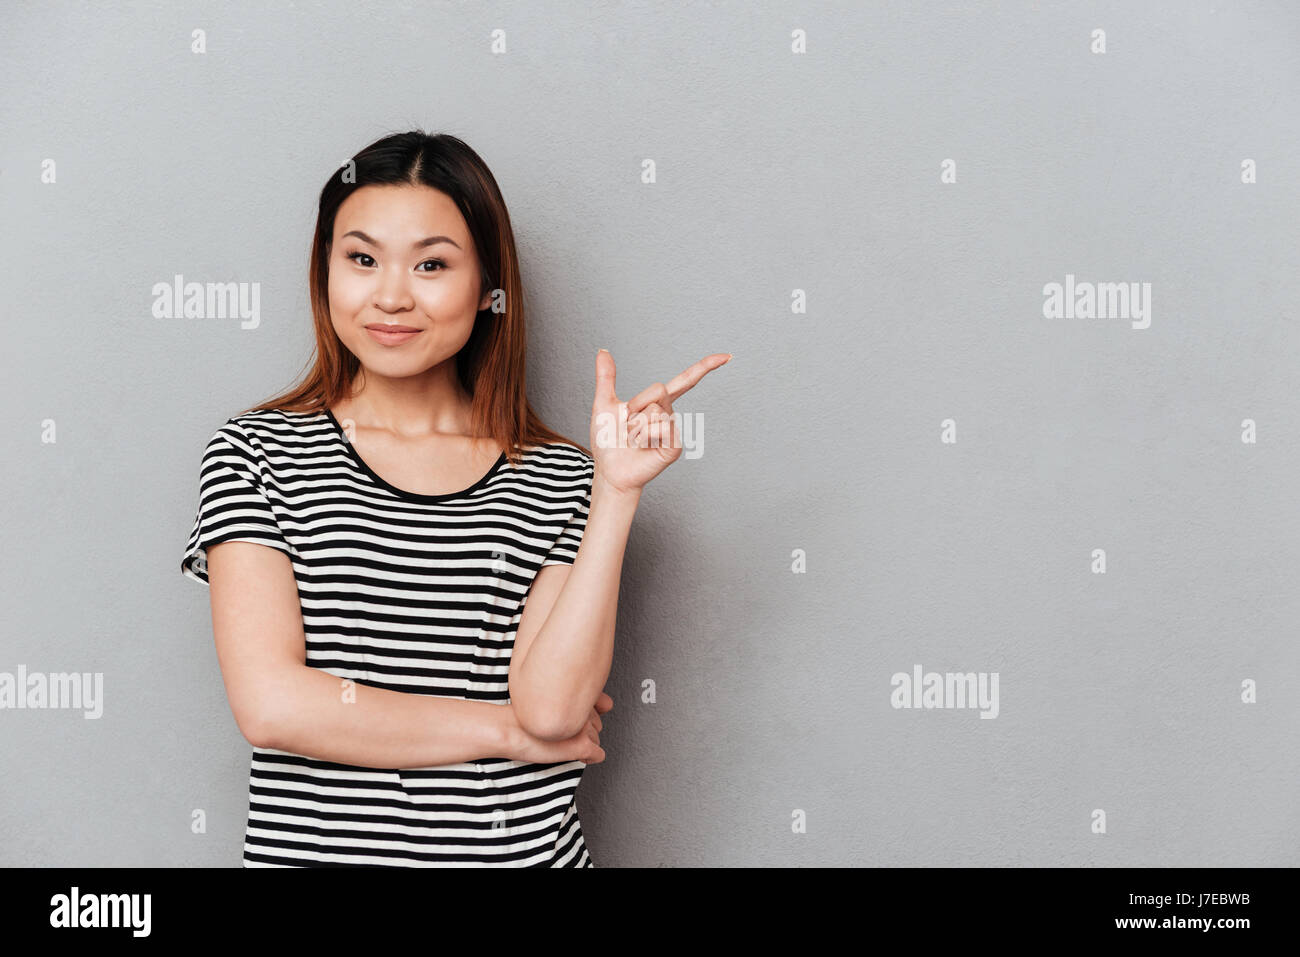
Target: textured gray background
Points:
(776, 172)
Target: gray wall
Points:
(776, 172)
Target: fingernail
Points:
(601, 350)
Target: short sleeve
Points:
(233, 506)
(565, 549)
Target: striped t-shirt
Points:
(414, 593)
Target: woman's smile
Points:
(391, 335)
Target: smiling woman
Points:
(414, 582)
(387, 522)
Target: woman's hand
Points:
(634, 441)
(583, 746)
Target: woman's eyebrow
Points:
(419, 244)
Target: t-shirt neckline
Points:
(401, 492)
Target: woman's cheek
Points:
(347, 294)
(441, 302)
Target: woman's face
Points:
(400, 303)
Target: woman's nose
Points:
(392, 293)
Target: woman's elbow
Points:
(263, 708)
(257, 727)
(544, 721)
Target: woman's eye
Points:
(357, 257)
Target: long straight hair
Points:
(490, 366)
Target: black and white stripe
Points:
(415, 593)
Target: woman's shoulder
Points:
(270, 422)
(256, 416)
(255, 430)
(559, 454)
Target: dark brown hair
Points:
(491, 364)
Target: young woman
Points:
(414, 581)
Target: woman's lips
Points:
(392, 335)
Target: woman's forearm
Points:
(569, 659)
(317, 715)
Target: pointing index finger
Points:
(681, 383)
